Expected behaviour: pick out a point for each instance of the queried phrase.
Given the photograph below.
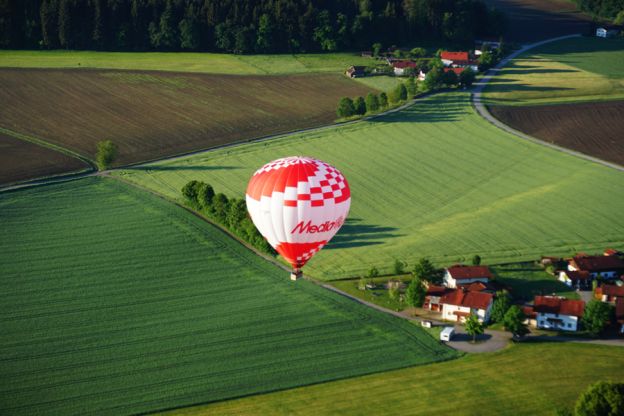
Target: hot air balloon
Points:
(298, 204)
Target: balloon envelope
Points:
(298, 204)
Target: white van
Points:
(447, 333)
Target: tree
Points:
(373, 272)
(415, 293)
(220, 207)
(264, 40)
(425, 270)
(164, 35)
(189, 29)
(205, 195)
(476, 260)
(372, 102)
(376, 49)
(394, 289)
(604, 398)
(106, 154)
(597, 316)
(410, 84)
(474, 327)
(191, 190)
(434, 78)
(360, 106)
(449, 78)
(501, 305)
(383, 100)
(418, 53)
(398, 267)
(467, 77)
(399, 93)
(513, 322)
(486, 61)
(345, 107)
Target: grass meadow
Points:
(572, 70)
(209, 63)
(433, 180)
(115, 301)
(524, 379)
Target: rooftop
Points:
(469, 272)
(598, 263)
(557, 305)
(474, 300)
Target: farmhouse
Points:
(603, 32)
(553, 312)
(459, 304)
(356, 71)
(608, 267)
(576, 279)
(462, 275)
(448, 58)
(403, 67)
(433, 296)
(609, 293)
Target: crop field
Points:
(210, 63)
(22, 160)
(115, 301)
(545, 18)
(154, 114)
(525, 379)
(591, 128)
(572, 70)
(432, 180)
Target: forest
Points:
(241, 26)
(609, 9)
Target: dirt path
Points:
(481, 109)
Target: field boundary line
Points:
(481, 109)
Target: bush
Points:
(373, 272)
(106, 154)
(601, 399)
(345, 107)
(360, 106)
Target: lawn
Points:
(210, 63)
(572, 70)
(432, 180)
(525, 379)
(379, 295)
(528, 279)
(115, 301)
(151, 115)
(382, 83)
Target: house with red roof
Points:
(402, 67)
(458, 275)
(619, 314)
(576, 279)
(459, 304)
(554, 312)
(609, 293)
(449, 57)
(433, 296)
(609, 267)
(457, 71)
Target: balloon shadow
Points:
(354, 233)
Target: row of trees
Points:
(239, 25)
(231, 213)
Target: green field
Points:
(210, 63)
(571, 70)
(432, 180)
(381, 83)
(117, 302)
(526, 379)
(528, 279)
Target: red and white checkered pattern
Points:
(298, 204)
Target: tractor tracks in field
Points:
(481, 108)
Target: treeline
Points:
(240, 26)
(231, 213)
(609, 9)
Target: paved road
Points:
(483, 112)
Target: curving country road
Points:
(480, 107)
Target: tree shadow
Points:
(463, 337)
(180, 168)
(515, 71)
(356, 234)
(432, 110)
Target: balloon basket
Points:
(296, 275)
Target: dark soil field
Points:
(534, 20)
(21, 160)
(150, 115)
(591, 128)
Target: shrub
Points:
(106, 154)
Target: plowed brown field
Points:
(156, 114)
(21, 160)
(595, 129)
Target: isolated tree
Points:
(513, 322)
(191, 190)
(476, 260)
(597, 316)
(501, 305)
(425, 270)
(373, 272)
(106, 154)
(604, 398)
(415, 293)
(383, 100)
(360, 106)
(474, 327)
(372, 102)
(205, 195)
(345, 107)
(467, 77)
